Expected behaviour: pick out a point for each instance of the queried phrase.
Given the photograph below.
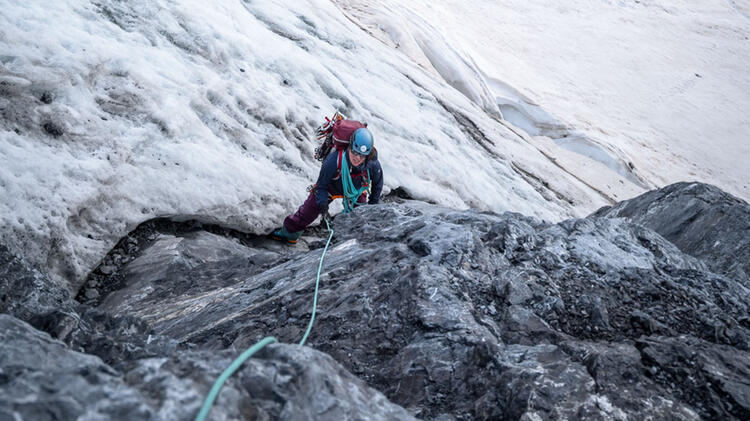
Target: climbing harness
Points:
(219, 383)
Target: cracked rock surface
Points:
(422, 312)
(700, 219)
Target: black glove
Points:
(323, 209)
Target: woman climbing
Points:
(351, 173)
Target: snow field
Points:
(116, 113)
(645, 93)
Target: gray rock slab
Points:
(700, 219)
(452, 315)
(26, 292)
(442, 310)
(42, 379)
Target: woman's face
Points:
(355, 158)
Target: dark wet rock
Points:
(619, 366)
(715, 378)
(44, 380)
(25, 292)
(32, 297)
(92, 294)
(107, 270)
(41, 379)
(128, 371)
(169, 267)
(417, 300)
(109, 275)
(700, 220)
(453, 315)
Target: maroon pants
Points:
(304, 216)
(307, 213)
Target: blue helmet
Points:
(361, 141)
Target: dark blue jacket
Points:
(329, 180)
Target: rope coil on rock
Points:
(219, 383)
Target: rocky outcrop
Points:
(452, 315)
(700, 220)
(24, 291)
(42, 379)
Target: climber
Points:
(346, 173)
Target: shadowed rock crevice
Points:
(108, 276)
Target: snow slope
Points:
(117, 112)
(627, 95)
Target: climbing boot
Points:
(282, 234)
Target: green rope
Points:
(228, 372)
(317, 281)
(219, 383)
(351, 193)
